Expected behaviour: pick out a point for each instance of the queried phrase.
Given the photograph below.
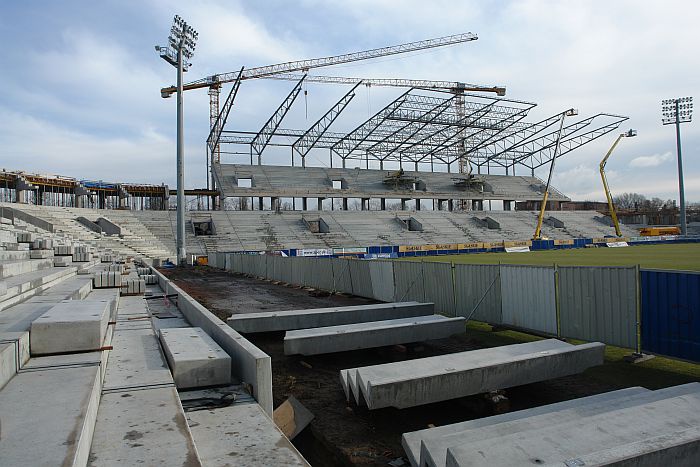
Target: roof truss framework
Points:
(429, 126)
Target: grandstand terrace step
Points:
(23, 286)
(11, 268)
(48, 416)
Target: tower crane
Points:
(284, 71)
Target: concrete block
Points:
(62, 261)
(41, 254)
(244, 433)
(195, 359)
(142, 427)
(25, 237)
(348, 337)
(115, 268)
(81, 257)
(8, 362)
(42, 244)
(63, 250)
(107, 259)
(3, 288)
(143, 271)
(133, 287)
(322, 317)
(433, 379)
(70, 326)
(150, 279)
(80, 249)
(107, 279)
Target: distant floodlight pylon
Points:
(181, 43)
(675, 112)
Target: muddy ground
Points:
(343, 434)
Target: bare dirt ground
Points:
(343, 434)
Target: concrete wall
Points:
(248, 363)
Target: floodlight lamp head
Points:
(571, 112)
(630, 133)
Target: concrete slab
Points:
(52, 417)
(20, 288)
(136, 362)
(609, 431)
(373, 334)
(195, 359)
(322, 317)
(433, 379)
(10, 268)
(133, 287)
(142, 427)
(241, 435)
(70, 326)
(433, 451)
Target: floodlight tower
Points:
(178, 52)
(677, 111)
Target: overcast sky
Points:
(80, 80)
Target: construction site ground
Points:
(343, 434)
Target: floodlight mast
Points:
(178, 52)
(611, 206)
(675, 112)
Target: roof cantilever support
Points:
(307, 141)
(262, 139)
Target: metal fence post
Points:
(454, 288)
(557, 303)
(638, 281)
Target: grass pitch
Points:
(684, 257)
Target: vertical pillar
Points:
(382, 204)
(450, 205)
(274, 203)
(507, 205)
(320, 204)
(345, 204)
(260, 203)
(365, 204)
(439, 205)
(417, 203)
(403, 204)
(21, 196)
(304, 204)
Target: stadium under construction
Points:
(266, 320)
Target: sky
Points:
(80, 79)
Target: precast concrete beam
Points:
(70, 326)
(195, 359)
(322, 317)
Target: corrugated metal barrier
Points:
(671, 313)
(589, 303)
(528, 298)
(599, 304)
(478, 292)
(438, 285)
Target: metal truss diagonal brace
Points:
(262, 139)
(307, 141)
(218, 126)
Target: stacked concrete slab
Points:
(357, 336)
(433, 379)
(322, 317)
(430, 447)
